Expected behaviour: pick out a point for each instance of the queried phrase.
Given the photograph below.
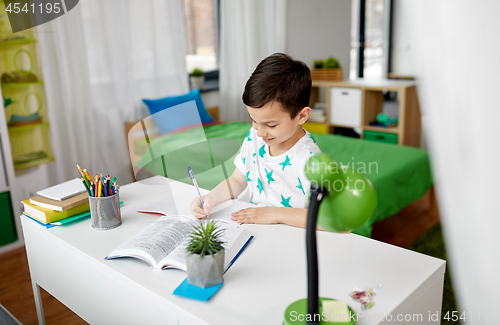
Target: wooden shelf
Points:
(314, 122)
(392, 129)
(372, 103)
(26, 127)
(21, 84)
(17, 42)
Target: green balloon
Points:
(322, 170)
(349, 206)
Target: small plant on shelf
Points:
(332, 63)
(197, 78)
(328, 69)
(205, 255)
(319, 64)
(197, 72)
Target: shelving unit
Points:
(23, 97)
(24, 127)
(357, 113)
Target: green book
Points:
(47, 215)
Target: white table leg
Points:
(38, 303)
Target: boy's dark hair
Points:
(281, 78)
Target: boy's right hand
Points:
(197, 210)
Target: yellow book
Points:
(47, 215)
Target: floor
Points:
(15, 286)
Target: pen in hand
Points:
(191, 175)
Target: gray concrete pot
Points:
(205, 272)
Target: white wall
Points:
(317, 29)
(402, 43)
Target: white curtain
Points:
(99, 60)
(458, 67)
(250, 31)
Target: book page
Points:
(156, 240)
(165, 207)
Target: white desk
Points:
(69, 263)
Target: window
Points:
(371, 37)
(202, 34)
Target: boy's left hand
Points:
(264, 215)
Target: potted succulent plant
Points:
(197, 78)
(328, 69)
(205, 255)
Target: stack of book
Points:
(317, 115)
(58, 204)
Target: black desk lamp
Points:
(341, 200)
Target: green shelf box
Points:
(384, 137)
(30, 145)
(7, 225)
(24, 105)
(18, 63)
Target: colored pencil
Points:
(105, 187)
(87, 175)
(85, 184)
(80, 170)
(100, 189)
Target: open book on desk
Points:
(163, 243)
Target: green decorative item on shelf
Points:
(8, 101)
(197, 72)
(386, 120)
(205, 255)
(332, 63)
(328, 69)
(319, 64)
(197, 78)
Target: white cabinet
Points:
(345, 107)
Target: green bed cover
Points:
(400, 174)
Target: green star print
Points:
(286, 202)
(262, 151)
(259, 186)
(300, 186)
(269, 176)
(285, 163)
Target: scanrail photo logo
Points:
(26, 14)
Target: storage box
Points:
(326, 74)
(380, 136)
(345, 107)
(315, 127)
(7, 228)
(30, 145)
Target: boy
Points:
(273, 155)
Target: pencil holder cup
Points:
(105, 212)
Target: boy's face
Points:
(275, 126)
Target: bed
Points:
(400, 174)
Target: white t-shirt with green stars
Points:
(277, 181)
